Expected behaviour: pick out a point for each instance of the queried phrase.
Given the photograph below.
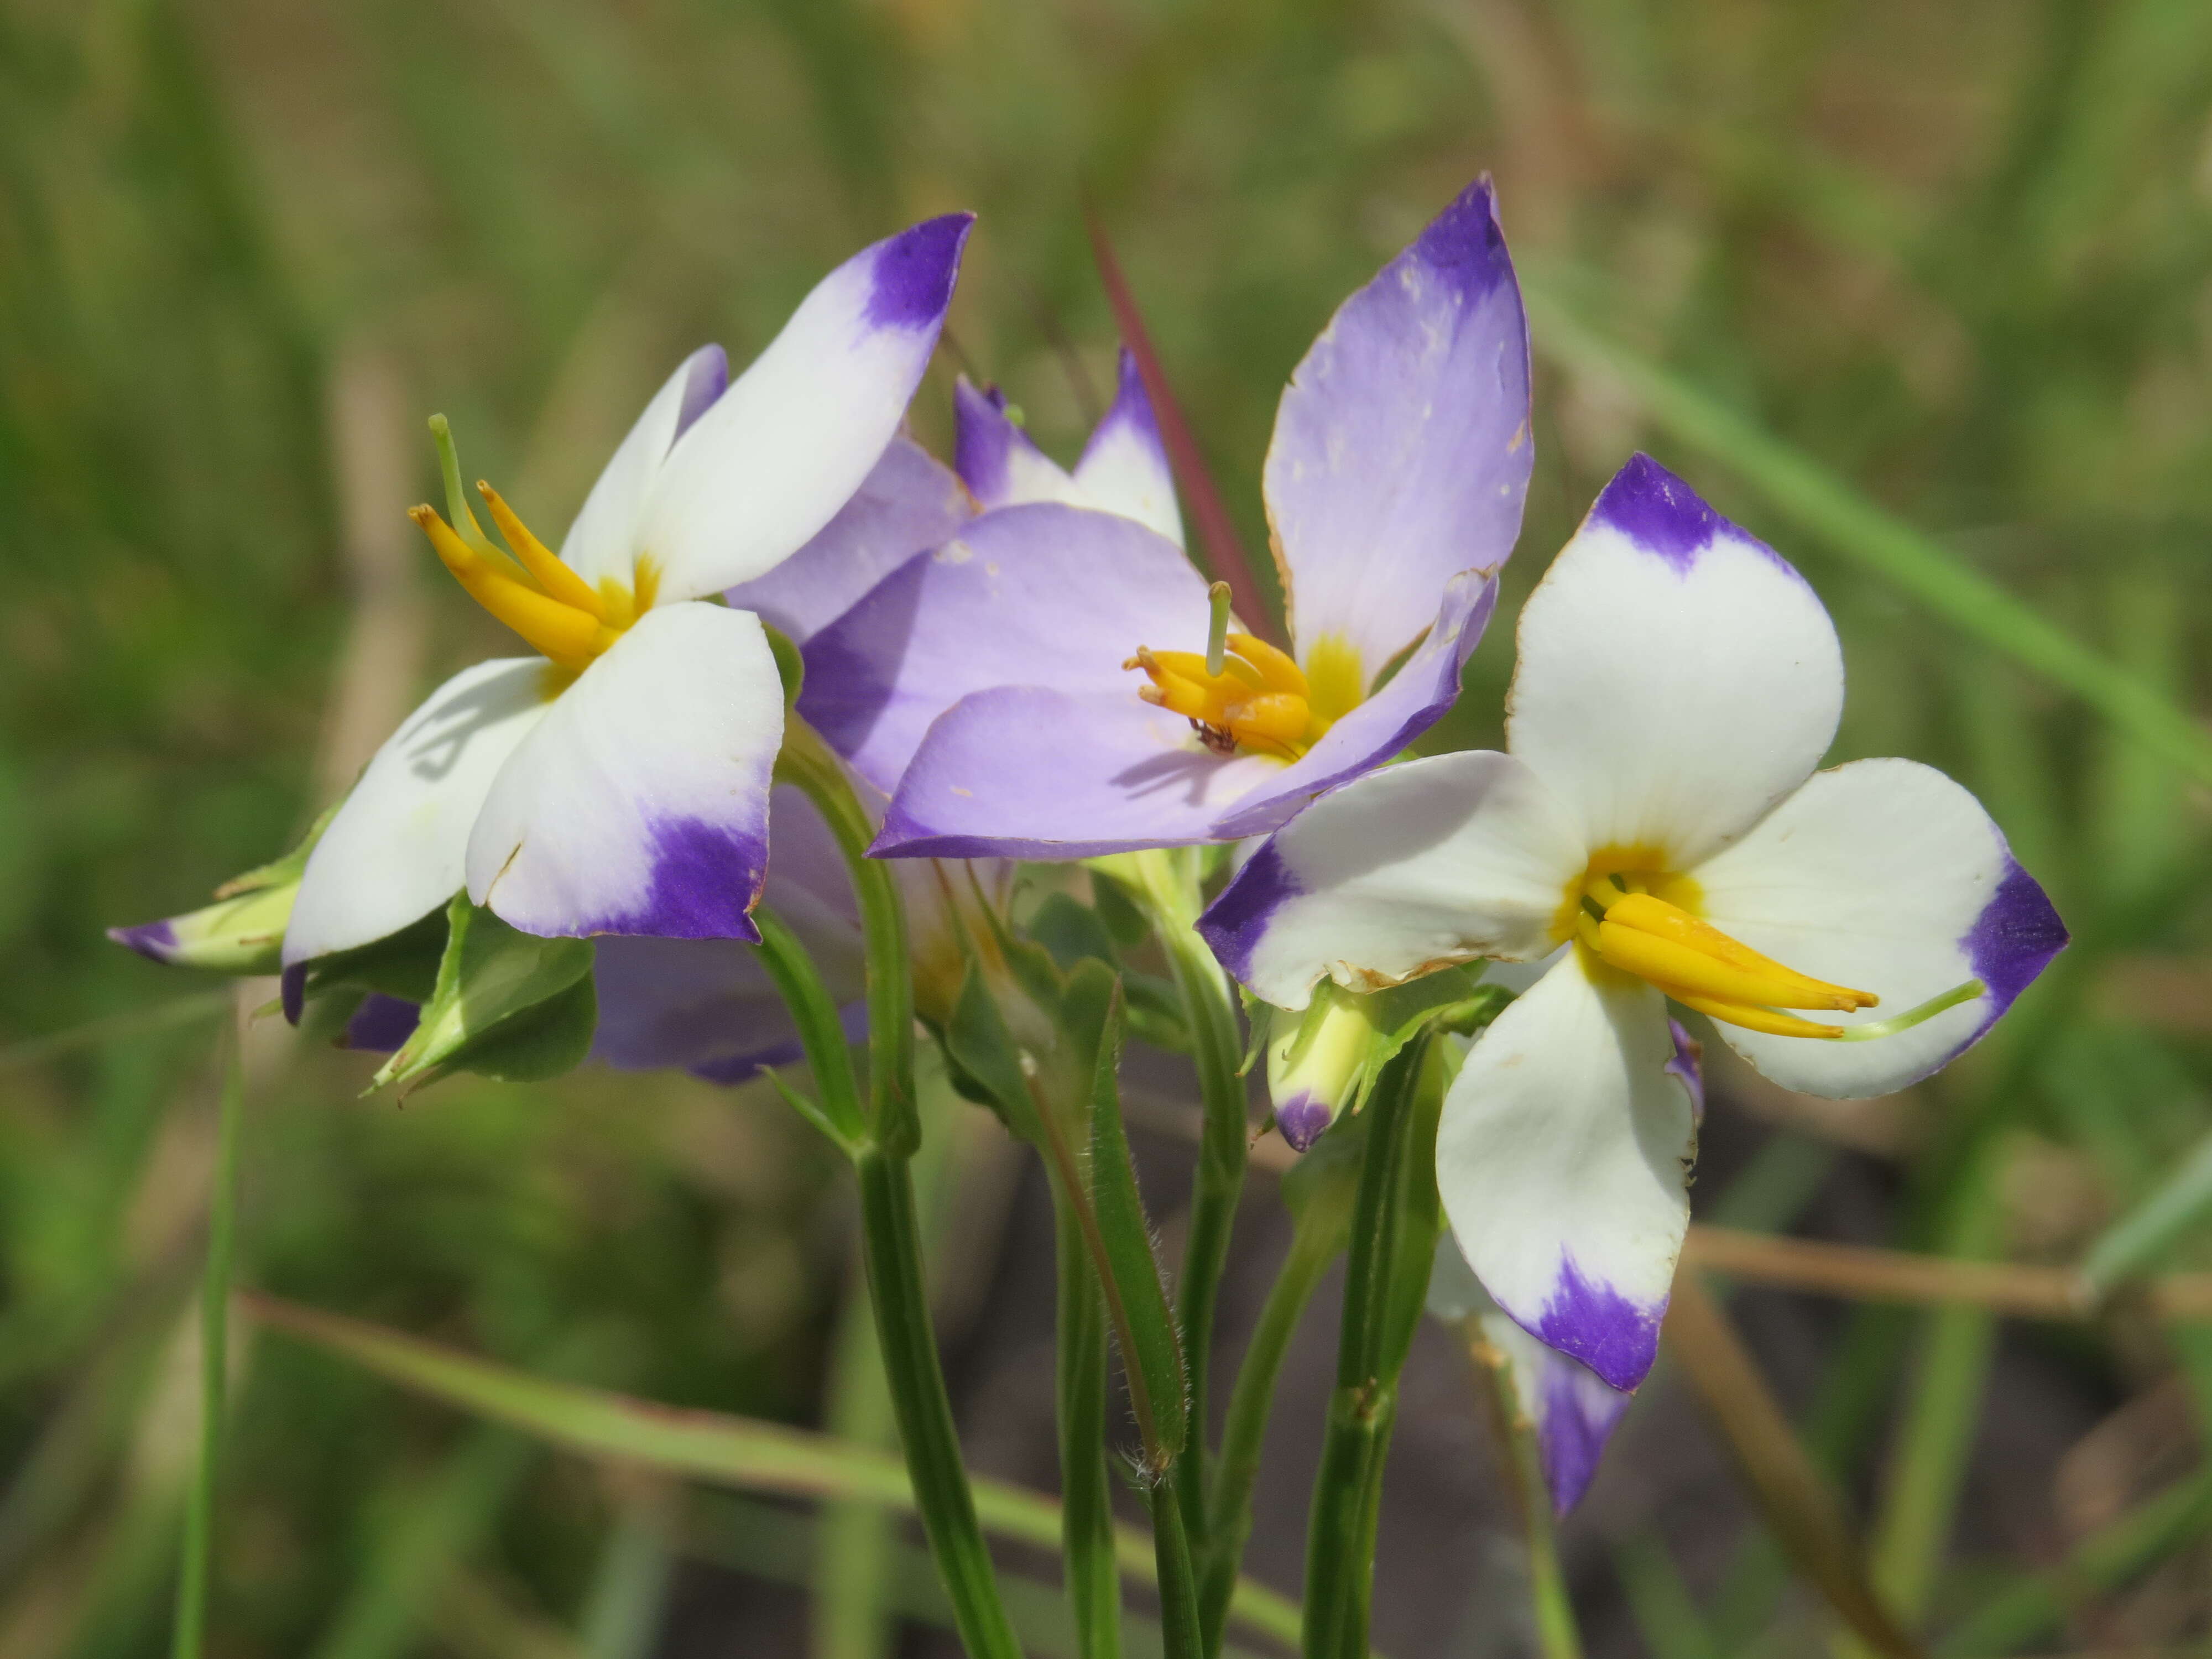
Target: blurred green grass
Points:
(1959, 256)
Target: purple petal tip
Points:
(915, 271)
(983, 440)
(706, 880)
(1236, 922)
(293, 989)
(1578, 1414)
(2016, 937)
(153, 940)
(1591, 1321)
(1300, 1121)
(1465, 243)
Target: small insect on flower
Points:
(1657, 824)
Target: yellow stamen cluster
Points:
(556, 610)
(1259, 702)
(1701, 966)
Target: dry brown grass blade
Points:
(1862, 1274)
(1807, 1517)
(1225, 548)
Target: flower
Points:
(1657, 815)
(617, 782)
(1039, 686)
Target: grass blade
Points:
(189, 1634)
(711, 1447)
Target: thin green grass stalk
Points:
(1168, 887)
(1340, 1535)
(891, 1238)
(629, 1590)
(190, 1636)
(1927, 1468)
(1229, 1524)
(1179, 1637)
(848, 1618)
(134, 1022)
(1551, 1609)
(1094, 1581)
(382, 1616)
(1666, 1615)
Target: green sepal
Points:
(1072, 933)
(506, 1003)
(986, 1063)
(790, 666)
(1155, 1012)
(284, 872)
(404, 964)
(1123, 920)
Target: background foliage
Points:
(1959, 257)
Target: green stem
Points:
(1371, 1352)
(1179, 1631)
(190, 1633)
(821, 1034)
(1229, 1522)
(1553, 1612)
(808, 763)
(1171, 887)
(893, 1249)
(1086, 1517)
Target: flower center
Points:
(1241, 695)
(561, 616)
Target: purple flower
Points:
(990, 684)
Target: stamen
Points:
(1278, 669)
(1217, 631)
(568, 637)
(457, 502)
(559, 581)
(1666, 962)
(1656, 919)
(1912, 1016)
(1769, 1020)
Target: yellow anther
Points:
(1276, 669)
(566, 635)
(1276, 718)
(1652, 916)
(559, 581)
(1192, 666)
(1752, 1019)
(1665, 962)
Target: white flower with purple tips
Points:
(1044, 685)
(1659, 816)
(618, 781)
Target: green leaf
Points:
(720, 1449)
(1072, 933)
(507, 1003)
(1151, 1348)
(986, 1063)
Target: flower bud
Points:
(240, 935)
(1320, 1063)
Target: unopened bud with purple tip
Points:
(1319, 1064)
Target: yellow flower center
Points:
(561, 615)
(1640, 921)
(1259, 701)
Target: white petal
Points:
(1886, 875)
(1405, 869)
(603, 541)
(1124, 467)
(640, 804)
(1676, 678)
(1562, 1160)
(770, 464)
(397, 849)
